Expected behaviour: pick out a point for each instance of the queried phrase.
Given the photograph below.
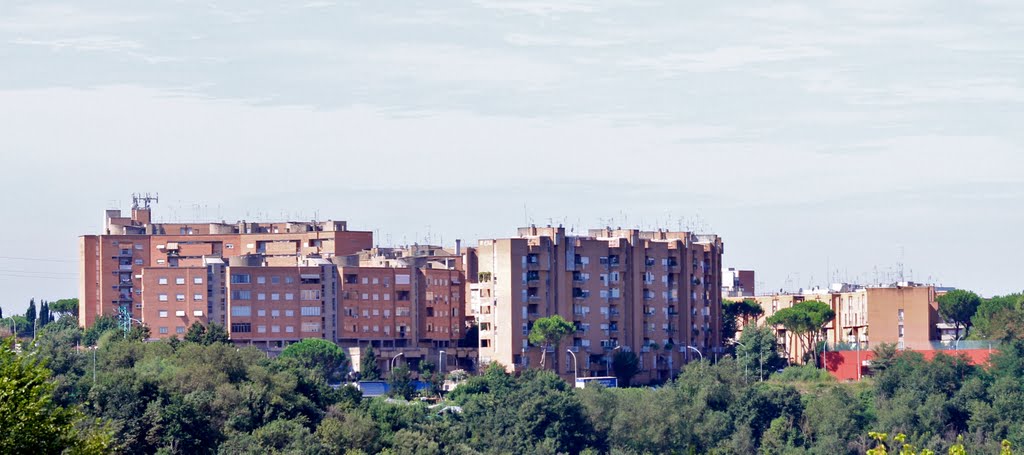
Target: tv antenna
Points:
(143, 200)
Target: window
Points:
(138, 246)
(366, 280)
(275, 280)
(240, 278)
(197, 297)
(901, 331)
(289, 280)
(275, 296)
(198, 313)
(241, 295)
(179, 313)
(261, 329)
(289, 296)
(229, 246)
(179, 329)
(160, 261)
(261, 313)
(311, 311)
(261, 296)
(275, 313)
(179, 280)
(376, 281)
(401, 279)
(366, 313)
(197, 280)
(163, 313)
(310, 327)
(162, 297)
(163, 329)
(241, 310)
(900, 315)
(376, 312)
(376, 297)
(366, 296)
(261, 280)
(241, 327)
(387, 296)
(289, 329)
(138, 262)
(310, 294)
(289, 313)
(275, 329)
(161, 280)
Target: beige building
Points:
(654, 293)
(905, 314)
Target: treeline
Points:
(207, 396)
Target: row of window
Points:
(305, 294)
(246, 311)
(178, 329)
(179, 280)
(245, 278)
(180, 313)
(179, 297)
(245, 327)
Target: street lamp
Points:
(393, 359)
(440, 366)
(575, 367)
(698, 352)
(608, 365)
(744, 360)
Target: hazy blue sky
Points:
(821, 141)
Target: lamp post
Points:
(393, 359)
(575, 367)
(698, 352)
(744, 361)
(440, 366)
(608, 366)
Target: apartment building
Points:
(738, 283)
(905, 314)
(654, 293)
(272, 284)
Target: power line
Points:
(11, 275)
(39, 272)
(37, 259)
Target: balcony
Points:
(125, 267)
(613, 313)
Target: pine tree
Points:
(30, 315)
(1, 312)
(368, 365)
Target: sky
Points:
(849, 140)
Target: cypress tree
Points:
(31, 313)
(44, 313)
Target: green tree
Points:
(216, 333)
(626, 365)
(758, 352)
(958, 307)
(547, 332)
(65, 307)
(321, 356)
(30, 420)
(101, 325)
(196, 333)
(400, 382)
(44, 313)
(368, 368)
(30, 314)
(806, 321)
(884, 356)
(734, 312)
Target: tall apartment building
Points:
(654, 293)
(271, 284)
(905, 314)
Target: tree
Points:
(30, 420)
(101, 325)
(758, 351)
(196, 333)
(400, 382)
(368, 368)
(30, 314)
(65, 307)
(626, 365)
(322, 356)
(44, 314)
(958, 306)
(549, 331)
(806, 321)
(1, 312)
(884, 356)
(216, 333)
(733, 312)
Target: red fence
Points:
(843, 365)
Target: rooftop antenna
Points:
(143, 200)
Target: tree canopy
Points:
(805, 320)
(958, 307)
(549, 331)
(319, 355)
